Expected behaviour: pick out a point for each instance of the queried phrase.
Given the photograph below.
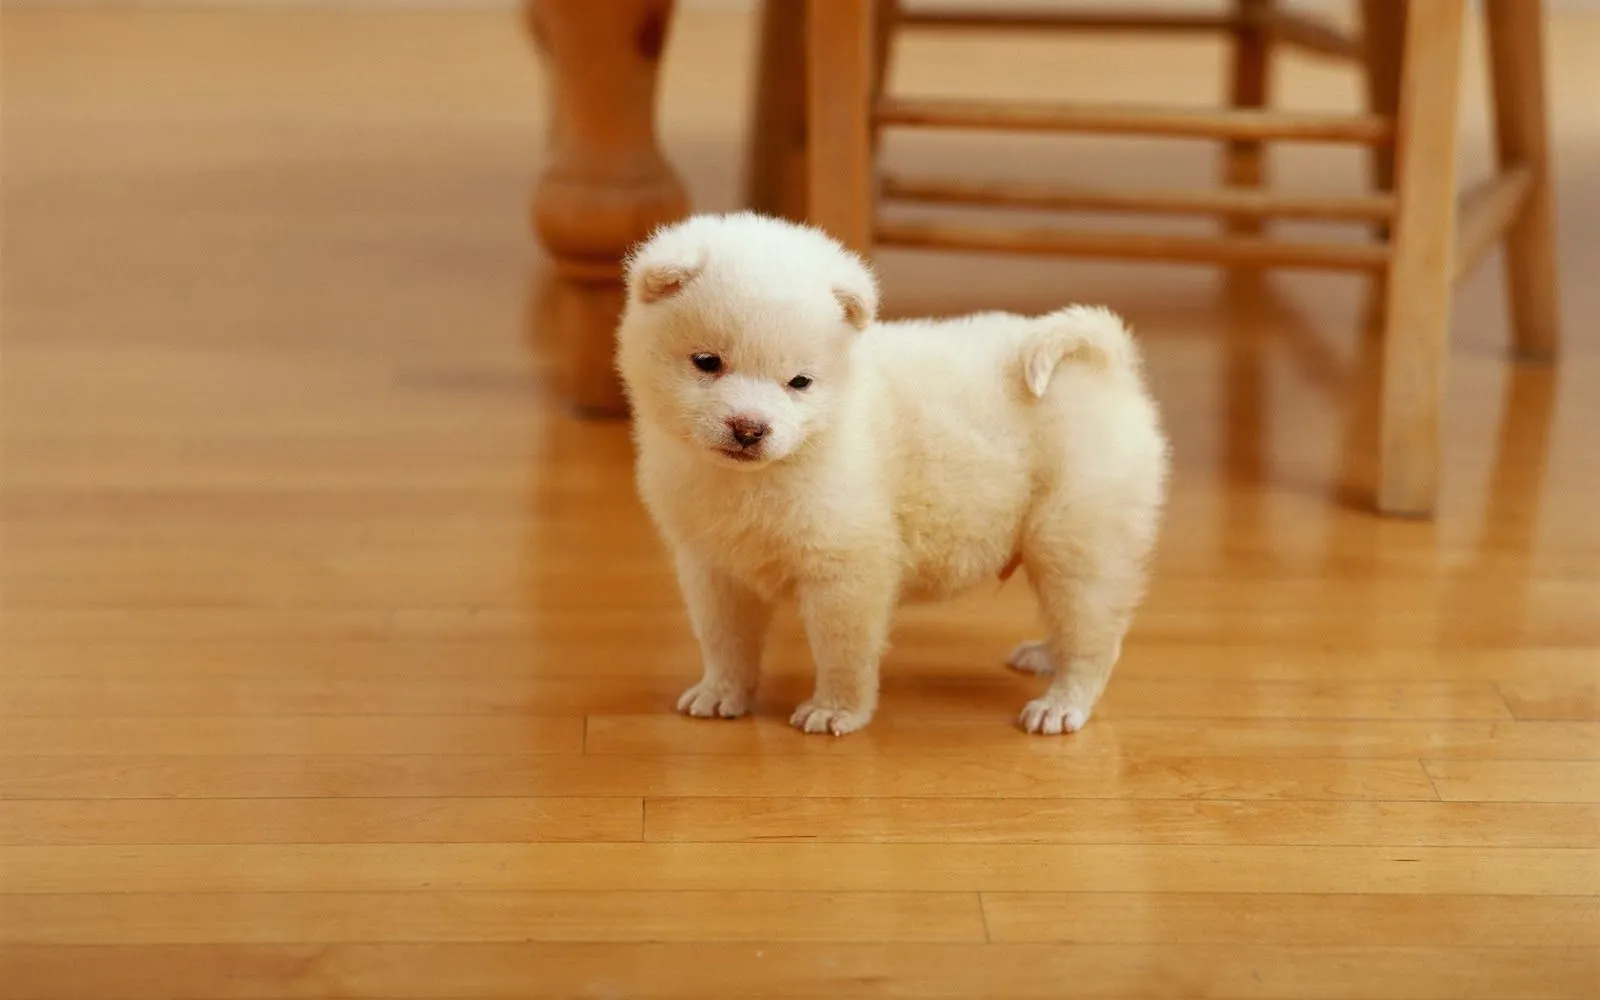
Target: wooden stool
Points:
(822, 131)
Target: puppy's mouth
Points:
(740, 455)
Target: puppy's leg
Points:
(1087, 593)
(847, 623)
(730, 621)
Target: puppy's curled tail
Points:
(1090, 334)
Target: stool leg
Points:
(1244, 162)
(1516, 65)
(887, 19)
(775, 175)
(1417, 313)
(1383, 30)
(839, 76)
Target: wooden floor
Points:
(339, 662)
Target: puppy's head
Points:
(737, 335)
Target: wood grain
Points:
(531, 697)
(1417, 309)
(797, 867)
(1516, 781)
(357, 917)
(634, 775)
(1243, 161)
(1516, 49)
(312, 735)
(1571, 696)
(1325, 920)
(1136, 738)
(839, 48)
(1122, 821)
(1486, 210)
(305, 972)
(1176, 121)
(434, 820)
(955, 642)
(1058, 197)
(1172, 247)
(606, 185)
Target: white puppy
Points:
(789, 445)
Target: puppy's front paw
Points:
(1051, 717)
(1032, 658)
(712, 699)
(813, 718)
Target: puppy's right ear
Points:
(854, 288)
(859, 309)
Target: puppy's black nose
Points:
(746, 431)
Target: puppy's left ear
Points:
(660, 281)
(663, 266)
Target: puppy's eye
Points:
(708, 363)
(801, 382)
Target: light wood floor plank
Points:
(1141, 739)
(1124, 821)
(1516, 780)
(440, 820)
(269, 644)
(1103, 972)
(1081, 918)
(820, 867)
(316, 735)
(670, 734)
(289, 918)
(1023, 777)
(885, 820)
(1327, 920)
(1553, 697)
(991, 690)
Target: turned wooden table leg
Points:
(605, 185)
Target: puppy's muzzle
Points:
(747, 432)
(747, 435)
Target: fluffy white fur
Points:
(921, 459)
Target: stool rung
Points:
(977, 18)
(1236, 250)
(1111, 119)
(1285, 26)
(1303, 31)
(1224, 201)
(1484, 213)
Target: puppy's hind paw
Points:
(814, 718)
(1031, 658)
(1049, 717)
(715, 699)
